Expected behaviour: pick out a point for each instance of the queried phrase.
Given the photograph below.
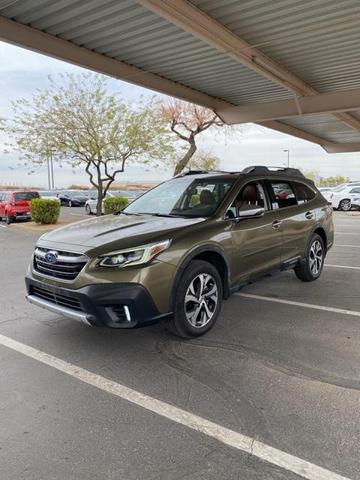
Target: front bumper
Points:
(116, 305)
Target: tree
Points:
(85, 126)
(187, 121)
(204, 160)
(333, 181)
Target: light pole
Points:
(288, 157)
(52, 170)
(48, 173)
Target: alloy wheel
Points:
(316, 258)
(345, 205)
(201, 300)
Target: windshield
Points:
(25, 196)
(184, 197)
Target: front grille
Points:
(58, 264)
(62, 300)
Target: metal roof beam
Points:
(191, 19)
(38, 41)
(41, 42)
(325, 103)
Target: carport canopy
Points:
(289, 65)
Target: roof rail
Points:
(261, 170)
(199, 172)
(191, 172)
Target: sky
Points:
(23, 71)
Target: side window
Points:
(249, 197)
(355, 190)
(284, 195)
(302, 192)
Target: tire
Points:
(345, 205)
(312, 266)
(88, 209)
(195, 312)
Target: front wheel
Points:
(345, 205)
(88, 209)
(313, 264)
(198, 300)
(9, 219)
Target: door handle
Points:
(309, 215)
(276, 224)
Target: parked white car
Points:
(49, 194)
(327, 192)
(346, 197)
(90, 205)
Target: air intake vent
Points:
(62, 300)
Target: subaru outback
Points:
(177, 251)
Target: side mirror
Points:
(254, 212)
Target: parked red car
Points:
(16, 205)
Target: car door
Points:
(256, 241)
(296, 212)
(354, 193)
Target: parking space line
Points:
(346, 233)
(224, 435)
(341, 266)
(2, 226)
(299, 304)
(346, 246)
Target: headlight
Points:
(133, 256)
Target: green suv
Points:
(181, 248)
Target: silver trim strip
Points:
(76, 258)
(67, 312)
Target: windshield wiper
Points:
(155, 214)
(121, 212)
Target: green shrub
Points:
(45, 210)
(114, 204)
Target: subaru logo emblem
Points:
(51, 257)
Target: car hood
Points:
(114, 231)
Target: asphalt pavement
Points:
(281, 368)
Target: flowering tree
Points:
(187, 121)
(78, 120)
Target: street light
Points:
(50, 169)
(288, 157)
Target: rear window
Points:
(303, 193)
(25, 196)
(284, 195)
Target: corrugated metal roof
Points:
(129, 32)
(326, 126)
(317, 40)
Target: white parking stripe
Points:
(2, 226)
(299, 304)
(346, 246)
(346, 233)
(341, 266)
(224, 435)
